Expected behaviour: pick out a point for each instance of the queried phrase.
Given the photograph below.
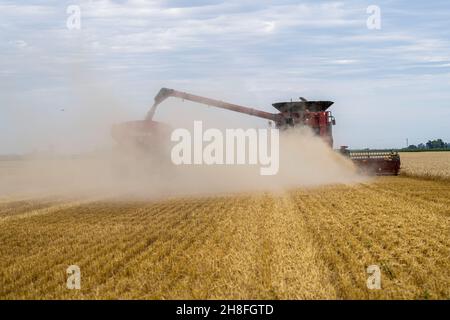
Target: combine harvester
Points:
(314, 114)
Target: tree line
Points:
(430, 145)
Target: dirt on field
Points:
(302, 244)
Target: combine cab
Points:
(313, 114)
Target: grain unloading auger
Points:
(314, 114)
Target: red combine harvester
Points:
(314, 114)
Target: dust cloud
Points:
(84, 160)
(124, 172)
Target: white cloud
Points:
(8, 10)
(19, 43)
(344, 61)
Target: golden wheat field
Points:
(427, 164)
(310, 243)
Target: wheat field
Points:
(309, 243)
(426, 164)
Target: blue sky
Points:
(388, 84)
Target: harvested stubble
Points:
(307, 243)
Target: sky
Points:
(64, 87)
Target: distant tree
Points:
(436, 144)
(430, 145)
(440, 144)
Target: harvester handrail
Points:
(372, 154)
